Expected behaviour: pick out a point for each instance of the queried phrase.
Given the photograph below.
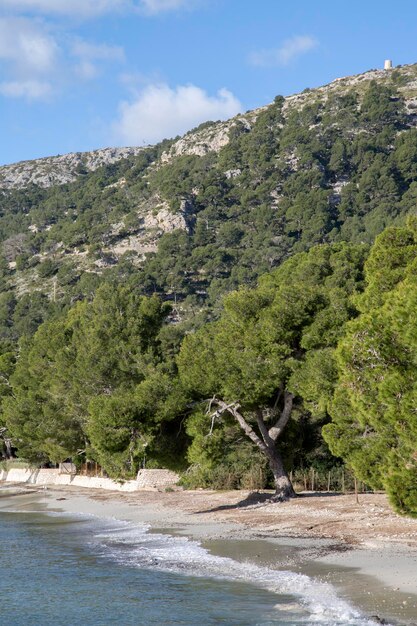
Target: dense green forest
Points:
(262, 328)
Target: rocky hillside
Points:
(194, 217)
(61, 169)
(210, 137)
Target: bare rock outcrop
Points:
(61, 169)
(165, 220)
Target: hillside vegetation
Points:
(195, 218)
(103, 276)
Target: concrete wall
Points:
(146, 479)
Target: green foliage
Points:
(123, 428)
(93, 381)
(374, 427)
(380, 107)
(270, 339)
(47, 268)
(263, 335)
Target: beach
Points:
(363, 549)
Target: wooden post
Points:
(312, 479)
(328, 482)
(343, 481)
(356, 490)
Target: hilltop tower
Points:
(388, 64)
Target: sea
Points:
(81, 570)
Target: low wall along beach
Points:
(146, 480)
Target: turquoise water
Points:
(59, 570)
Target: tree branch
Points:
(276, 430)
(233, 409)
(277, 399)
(263, 428)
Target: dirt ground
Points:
(323, 515)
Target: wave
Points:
(134, 545)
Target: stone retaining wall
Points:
(156, 479)
(146, 479)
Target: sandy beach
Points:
(363, 549)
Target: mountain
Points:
(197, 216)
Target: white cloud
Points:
(29, 57)
(153, 7)
(86, 70)
(34, 66)
(159, 112)
(75, 8)
(29, 89)
(27, 45)
(92, 8)
(289, 50)
(89, 53)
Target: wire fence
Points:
(339, 479)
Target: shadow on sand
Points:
(258, 499)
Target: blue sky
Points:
(82, 74)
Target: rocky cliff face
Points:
(61, 169)
(209, 137)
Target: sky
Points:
(78, 75)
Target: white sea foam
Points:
(136, 546)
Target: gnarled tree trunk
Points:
(8, 446)
(7, 443)
(283, 487)
(267, 438)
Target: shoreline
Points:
(374, 569)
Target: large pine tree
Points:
(374, 407)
